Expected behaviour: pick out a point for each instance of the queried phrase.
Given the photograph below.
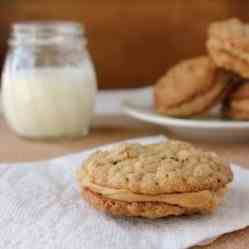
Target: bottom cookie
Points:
(150, 210)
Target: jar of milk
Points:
(48, 81)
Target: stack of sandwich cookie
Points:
(228, 46)
(153, 181)
(193, 86)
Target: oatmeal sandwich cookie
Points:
(153, 181)
(191, 87)
(228, 45)
(236, 105)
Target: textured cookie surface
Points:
(171, 167)
(228, 45)
(203, 102)
(190, 87)
(142, 209)
(190, 76)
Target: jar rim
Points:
(66, 27)
(45, 31)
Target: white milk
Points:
(49, 102)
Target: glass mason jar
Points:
(48, 81)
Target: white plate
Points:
(212, 127)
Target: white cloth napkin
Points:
(41, 208)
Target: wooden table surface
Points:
(107, 129)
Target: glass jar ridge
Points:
(46, 32)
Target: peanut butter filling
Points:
(201, 199)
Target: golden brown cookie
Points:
(237, 104)
(155, 180)
(190, 88)
(228, 45)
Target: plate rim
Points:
(129, 107)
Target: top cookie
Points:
(184, 81)
(172, 167)
(228, 45)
